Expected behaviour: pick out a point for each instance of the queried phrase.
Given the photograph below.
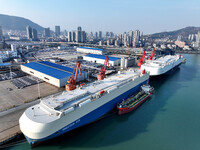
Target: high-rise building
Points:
(91, 34)
(65, 33)
(111, 34)
(79, 29)
(96, 35)
(78, 36)
(107, 34)
(1, 34)
(108, 42)
(197, 44)
(130, 33)
(191, 37)
(179, 38)
(57, 30)
(73, 36)
(29, 32)
(83, 36)
(136, 38)
(34, 35)
(70, 36)
(46, 32)
(100, 35)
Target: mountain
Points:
(174, 34)
(17, 23)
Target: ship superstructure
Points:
(162, 65)
(66, 111)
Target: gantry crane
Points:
(72, 80)
(102, 72)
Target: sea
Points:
(169, 120)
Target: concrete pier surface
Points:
(11, 97)
(14, 102)
(9, 125)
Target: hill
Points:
(17, 23)
(174, 34)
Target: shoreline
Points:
(188, 52)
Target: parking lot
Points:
(10, 96)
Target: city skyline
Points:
(149, 16)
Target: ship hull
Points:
(156, 71)
(169, 72)
(92, 115)
(129, 109)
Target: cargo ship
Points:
(61, 113)
(162, 65)
(136, 100)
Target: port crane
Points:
(102, 72)
(141, 59)
(72, 80)
(152, 54)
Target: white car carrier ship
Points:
(162, 65)
(62, 113)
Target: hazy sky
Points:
(149, 16)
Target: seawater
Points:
(169, 120)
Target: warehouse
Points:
(113, 61)
(52, 73)
(90, 50)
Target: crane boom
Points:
(152, 54)
(102, 72)
(72, 80)
(141, 59)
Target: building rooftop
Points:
(92, 48)
(51, 71)
(4, 64)
(103, 57)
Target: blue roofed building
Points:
(113, 61)
(91, 50)
(52, 73)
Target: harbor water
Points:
(169, 120)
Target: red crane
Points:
(72, 80)
(141, 59)
(152, 54)
(102, 72)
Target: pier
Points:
(13, 104)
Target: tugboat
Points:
(134, 101)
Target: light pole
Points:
(10, 73)
(38, 88)
(88, 73)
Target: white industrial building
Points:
(113, 61)
(90, 50)
(54, 74)
(128, 62)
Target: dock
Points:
(9, 126)
(13, 103)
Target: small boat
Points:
(134, 101)
(184, 61)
